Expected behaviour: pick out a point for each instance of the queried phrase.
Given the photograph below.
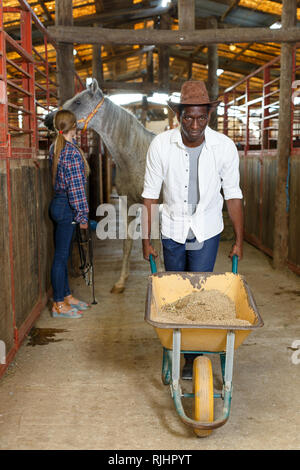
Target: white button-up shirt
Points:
(167, 168)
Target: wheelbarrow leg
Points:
(227, 388)
(166, 370)
(176, 358)
(222, 361)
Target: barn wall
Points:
(258, 182)
(26, 246)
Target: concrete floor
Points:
(98, 385)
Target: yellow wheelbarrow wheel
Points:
(204, 393)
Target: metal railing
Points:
(28, 84)
(251, 108)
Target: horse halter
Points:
(91, 115)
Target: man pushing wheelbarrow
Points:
(191, 165)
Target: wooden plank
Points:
(294, 210)
(45, 225)
(25, 237)
(6, 317)
(90, 35)
(268, 197)
(251, 195)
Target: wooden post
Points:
(225, 118)
(95, 183)
(280, 247)
(64, 55)
(186, 14)
(150, 72)
(163, 60)
(212, 78)
(171, 118)
(144, 110)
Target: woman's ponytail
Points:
(64, 121)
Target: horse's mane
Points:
(126, 122)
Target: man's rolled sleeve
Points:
(230, 173)
(153, 174)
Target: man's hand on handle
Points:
(237, 249)
(148, 250)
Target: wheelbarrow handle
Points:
(152, 264)
(234, 264)
(235, 259)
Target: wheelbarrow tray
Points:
(168, 287)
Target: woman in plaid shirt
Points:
(68, 207)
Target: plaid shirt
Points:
(71, 178)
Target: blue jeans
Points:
(62, 215)
(190, 256)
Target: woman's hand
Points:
(83, 225)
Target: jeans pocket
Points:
(59, 208)
(169, 244)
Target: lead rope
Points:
(85, 247)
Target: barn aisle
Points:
(96, 384)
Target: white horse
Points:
(127, 141)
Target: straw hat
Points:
(193, 93)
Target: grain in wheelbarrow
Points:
(208, 307)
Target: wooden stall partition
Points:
(28, 91)
(6, 311)
(293, 207)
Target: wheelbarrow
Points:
(200, 340)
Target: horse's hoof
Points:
(117, 290)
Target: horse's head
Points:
(82, 105)
(85, 102)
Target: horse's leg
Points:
(119, 287)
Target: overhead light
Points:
(219, 72)
(276, 25)
(232, 47)
(74, 52)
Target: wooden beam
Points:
(99, 6)
(88, 35)
(140, 87)
(123, 16)
(281, 220)
(233, 4)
